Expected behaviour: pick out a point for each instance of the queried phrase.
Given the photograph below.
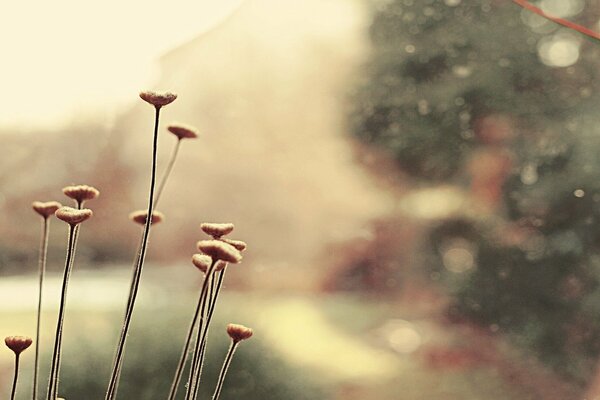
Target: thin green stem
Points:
(168, 170)
(111, 392)
(193, 368)
(54, 371)
(14, 385)
(224, 369)
(42, 272)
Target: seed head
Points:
(238, 244)
(46, 209)
(18, 343)
(216, 230)
(139, 217)
(73, 216)
(237, 333)
(158, 99)
(202, 262)
(220, 251)
(183, 131)
(220, 265)
(81, 193)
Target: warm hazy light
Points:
(66, 58)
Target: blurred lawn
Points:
(305, 347)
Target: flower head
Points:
(139, 217)
(46, 209)
(216, 230)
(73, 216)
(238, 244)
(81, 193)
(183, 131)
(158, 99)
(202, 262)
(220, 251)
(237, 333)
(18, 343)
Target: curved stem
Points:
(224, 369)
(163, 181)
(111, 392)
(54, 371)
(42, 272)
(14, 385)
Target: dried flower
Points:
(140, 216)
(18, 343)
(46, 209)
(202, 262)
(73, 216)
(216, 230)
(81, 193)
(158, 99)
(220, 265)
(239, 332)
(183, 131)
(238, 244)
(220, 251)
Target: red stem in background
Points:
(571, 25)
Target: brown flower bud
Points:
(18, 343)
(73, 216)
(158, 99)
(139, 217)
(202, 262)
(238, 244)
(237, 333)
(46, 209)
(81, 193)
(220, 251)
(216, 230)
(183, 131)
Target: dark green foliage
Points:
(435, 71)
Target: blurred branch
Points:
(571, 25)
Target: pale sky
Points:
(66, 59)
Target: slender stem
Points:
(54, 371)
(197, 346)
(127, 308)
(566, 23)
(163, 181)
(186, 350)
(42, 272)
(14, 385)
(211, 308)
(224, 369)
(111, 393)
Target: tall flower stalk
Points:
(73, 217)
(202, 262)
(237, 333)
(17, 344)
(45, 210)
(218, 251)
(158, 100)
(180, 131)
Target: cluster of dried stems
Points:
(215, 254)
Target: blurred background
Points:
(417, 181)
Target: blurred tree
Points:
(503, 102)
